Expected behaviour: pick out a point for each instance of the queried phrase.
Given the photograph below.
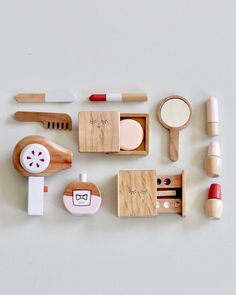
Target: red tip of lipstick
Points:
(215, 191)
(98, 97)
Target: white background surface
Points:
(162, 47)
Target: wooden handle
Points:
(30, 97)
(30, 116)
(59, 121)
(134, 97)
(174, 144)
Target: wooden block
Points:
(166, 193)
(99, 132)
(137, 193)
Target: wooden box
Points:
(137, 193)
(143, 193)
(100, 132)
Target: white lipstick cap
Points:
(212, 110)
(214, 149)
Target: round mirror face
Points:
(175, 112)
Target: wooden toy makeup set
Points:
(141, 193)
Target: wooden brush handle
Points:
(174, 144)
(59, 121)
(32, 116)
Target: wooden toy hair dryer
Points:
(37, 157)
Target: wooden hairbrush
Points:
(59, 121)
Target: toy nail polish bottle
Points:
(214, 203)
(213, 160)
(82, 198)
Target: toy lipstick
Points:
(212, 117)
(214, 203)
(119, 97)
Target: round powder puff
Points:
(131, 134)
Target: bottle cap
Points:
(215, 191)
(212, 110)
(83, 177)
(214, 149)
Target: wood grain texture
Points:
(143, 119)
(82, 186)
(213, 129)
(213, 166)
(137, 193)
(60, 121)
(126, 97)
(174, 144)
(99, 132)
(183, 193)
(174, 132)
(60, 158)
(140, 190)
(30, 97)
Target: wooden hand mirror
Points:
(174, 113)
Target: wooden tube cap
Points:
(213, 166)
(213, 129)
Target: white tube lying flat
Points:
(49, 96)
(60, 96)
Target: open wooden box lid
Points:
(137, 190)
(99, 132)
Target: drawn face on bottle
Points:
(82, 197)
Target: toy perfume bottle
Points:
(82, 198)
